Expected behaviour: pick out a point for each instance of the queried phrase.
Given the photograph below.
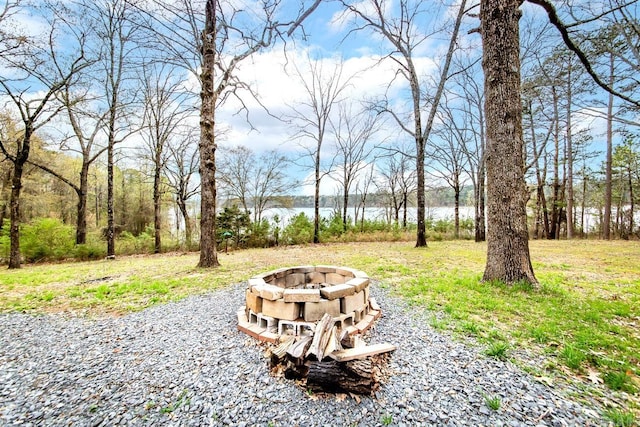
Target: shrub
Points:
(46, 239)
(298, 231)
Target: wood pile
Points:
(332, 361)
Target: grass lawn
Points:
(583, 322)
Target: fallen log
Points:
(356, 376)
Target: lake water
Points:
(372, 213)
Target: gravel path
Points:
(184, 364)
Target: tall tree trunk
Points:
(569, 158)
(5, 196)
(555, 201)
(481, 234)
(421, 238)
(508, 258)
(157, 198)
(111, 233)
(345, 201)
(83, 190)
(631, 201)
(15, 258)
(456, 211)
(207, 144)
(316, 197)
(421, 235)
(608, 184)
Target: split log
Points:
(278, 353)
(297, 351)
(361, 352)
(321, 338)
(356, 376)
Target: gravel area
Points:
(185, 364)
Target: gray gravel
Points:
(184, 364)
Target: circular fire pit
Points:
(290, 301)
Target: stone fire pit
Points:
(290, 301)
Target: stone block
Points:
(315, 277)
(345, 272)
(253, 331)
(304, 269)
(271, 292)
(344, 320)
(242, 316)
(301, 295)
(365, 324)
(358, 282)
(280, 309)
(358, 273)
(281, 272)
(270, 337)
(366, 294)
(253, 301)
(373, 304)
(266, 277)
(313, 311)
(279, 281)
(352, 303)
(269, 323)
(253, 317)
(358, 315)
(376, 314)
(337, 291)
(334, 278)
(294, 279)
(325, 269)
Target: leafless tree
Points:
(323, 90)
(31, 81)
(447, 154)
(164, 113)
(180, 167)
(353, 132)
(211, 45)
(401, 31)
(398, 181)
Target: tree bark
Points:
(569, 157)
(83, 190)
(508, 258)
(608, 190)
(316, 195)
(157, 197)
(15, 258)
(355, 376)
(207, 145)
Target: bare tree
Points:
(180, 167)
(400, 32)
(323, 90)
(449, 161)
(34, 78)
(353, 133)
(119, 37)
(164, 113)
(472, 111)
(235, 170)
(398, 182)
(257, 182)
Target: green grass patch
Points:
(584, 315)
(620, 418)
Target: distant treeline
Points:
(440, 197)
